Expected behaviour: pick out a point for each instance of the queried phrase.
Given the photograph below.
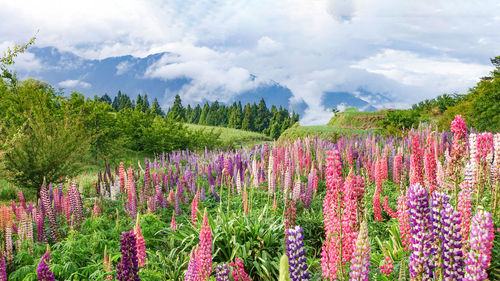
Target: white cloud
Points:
(123, 67)
(74, 84)
(407, 50)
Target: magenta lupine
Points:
(416, 173)
(349, 217)
(388, 209)
(481, 239)
(49, 212)
(430, 164)
(205, 249)
(194, 209)
(122, 177)
(330, 253)
(173, 225)
(239, 273)
(421, 247)
(127, 269)
(296, 254)
(3, 268)
(387, 267)
(360, 262)
(378, 191)
(43, 271)
(458, 147)
(96, 211)
(397, 167)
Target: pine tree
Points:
(204, 114)
(248, 122)
(105, 98)
(139, 105)
(177, 112)
(156, 109)
(145, 103)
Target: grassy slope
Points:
(344, 123)
(229, 135)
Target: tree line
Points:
(252, 117)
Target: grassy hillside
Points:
(351, 119)
(234, 136)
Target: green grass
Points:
(231, 136)
(326, 132)
(357, 119)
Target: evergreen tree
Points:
(177, 112)
(145, 103)
(195, 115)
(105, 98)
(156, 109)
(204, 114)
(139, 105)
(248, 122)
(117, 100)
(262, 116)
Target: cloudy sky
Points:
(406, 50)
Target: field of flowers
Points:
(367, 207)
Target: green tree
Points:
(247, 123)
(177, 112)
(156, 109)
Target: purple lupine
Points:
(452, 253)
(128, 267)
(296, 254)
(159, 196)
(43, 271)
(360, 262)
(3, 271)
(193, 267)
(49, 211)
(420, 242)
(481, 239)
(177, 206)
(222, 273)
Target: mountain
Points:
(91, 77)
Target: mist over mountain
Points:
(69, 72)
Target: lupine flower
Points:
(222, 273)
(193, 270)
(430, 164)
(330, 253)
(96, 210)
(418, 209)
(416, 174)
(481, 239)
(360, 262)
(127, 268)
(458, 147)
(404, 221)
(387, 267)
(194, 209)
(8, 244)
(173, 225)
(43, 271)
(396, 172)
(349, 217)
(290, 214)
(296, 254)
(464, 209)
(205, 249)
(451, 247)
(107, 265)
(388, 209)
(239, 273)
(3, 271)
(49, 211)
(122, 177)
(140, 243)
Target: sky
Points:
(405, 50)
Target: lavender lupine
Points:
(128, 267)
(222, 273)
(360, 261)
(43, 271)
(193, 270)
(49, 212)
(481, 239)
(296, 254)
(420, 242)
(3, 271)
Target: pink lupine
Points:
(239, 273)
(194, 209)
(404, 221)
(173, 225)
(416, 173)
(458, 147)
(430, 164)
(96, 211)
(8, 245)
(140, 243)
(3, 268)
(205, 249)
(464, 209)
(388, 209)
(387, 267)
(330, 254)
(349, 217)
(378, 191)
(122, 177)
